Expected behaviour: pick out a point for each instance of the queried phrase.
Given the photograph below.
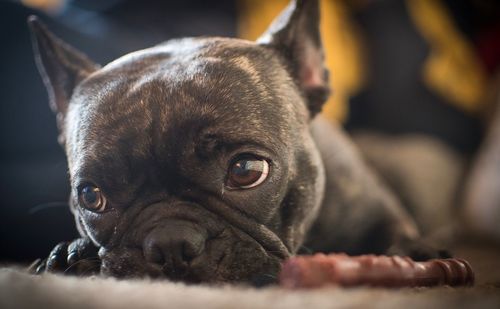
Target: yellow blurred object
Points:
(452, 68)
(340, 39)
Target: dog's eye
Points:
(92, 198)
(247, 172)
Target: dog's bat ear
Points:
(61, 66)
(295, 35)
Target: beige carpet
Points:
(20, 290)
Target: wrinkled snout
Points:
(174, 244)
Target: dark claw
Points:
(35, 266)
(72, 258)
(57, 258)
(41, 268)
(78, 257)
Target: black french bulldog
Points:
(205, 159)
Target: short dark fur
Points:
(157, 130)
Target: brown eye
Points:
(247, 172)
(92, 198)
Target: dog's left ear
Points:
(61, 66)
(295, 36)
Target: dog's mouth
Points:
(238, 250)
(232, 256)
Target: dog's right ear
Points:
(295, 35)
(61, 66)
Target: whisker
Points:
(90, 259)
(47, 205)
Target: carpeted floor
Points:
(20, 290)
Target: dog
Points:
(207, 159)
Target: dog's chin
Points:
(231, 257)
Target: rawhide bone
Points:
(371, 270)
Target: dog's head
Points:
(193, 159)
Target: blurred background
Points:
(414, 74)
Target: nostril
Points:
(152, 253)
(193, 247)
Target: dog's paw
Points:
(418, 251)
(78, 257)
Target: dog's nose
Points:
(174, 244)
